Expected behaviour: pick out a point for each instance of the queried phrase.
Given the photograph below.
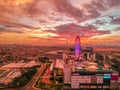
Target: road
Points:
(46, 76)
(30, 85)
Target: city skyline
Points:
(53, 22)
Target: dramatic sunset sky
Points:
(53, 22)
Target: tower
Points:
(77, 48)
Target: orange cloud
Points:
(13, 2)
(57, 20)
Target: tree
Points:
(25, 77)
(52, 78)
(60, 79)
(44, 59)
(99, 56)
(106, 57)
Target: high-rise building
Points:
(77, 48)
(87, 75)
(67, 73)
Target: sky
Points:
(57, 22)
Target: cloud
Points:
(10, 30)
(63, 16)
(65, 7)
(100, 22)
(115, 21)
(12, 13)
(40, 38)
(16, 27)
(36, 9)
(117, 29)
(113, 3)
(93, 9)
(67, 28)
(73, 29)
(87, 11)
(15, 24)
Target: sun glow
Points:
(44, 35)
(13, 2)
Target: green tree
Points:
(44, 59)
(25, 77)
(99, 56)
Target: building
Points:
(94, 80)
(87, 78)
(87, 53)
(67, 73)
(59, 63)
(81, 73)
(77, 48)
(20, 65)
